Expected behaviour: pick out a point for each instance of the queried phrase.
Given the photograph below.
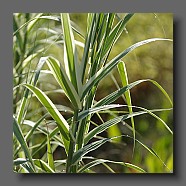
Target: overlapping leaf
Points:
(108, 67)
(19, 135)
(101, 161)
(63, 80)
(50, 107)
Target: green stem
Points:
(84, 124)
(69, 167)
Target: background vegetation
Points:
(151, 61)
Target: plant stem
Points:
(72, 168)
(84, 124)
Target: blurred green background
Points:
(151, 61)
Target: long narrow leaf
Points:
(63, 80)
(85, 113)
(27, 168)
(108, 124)
(70, 50)
(108, 67)
(50, 107)
(42, 130)
(115, 33)
(19, 161)
(91, 21)
(115, 95)
(19, 135)
(26, 93)
(149, 150)
(101, 161)
(29, 134)
(42, 165)
(124, 78)
(86, 149)
(50, 154)
(34, 20)
(118, 119)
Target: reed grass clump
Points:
(77, 77)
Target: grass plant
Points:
(84, 62)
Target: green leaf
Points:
(35, 127)
(124, 78)
(162, 90)
(110, 23)
(106, 125)
(91, 20)
(19, 135)
(50, 107)
(115, 95)
(19, 161)
(149, 150)
(50, 154)
(155, 116)
(27, 168)
(63, 80)
(17, 34)
(86, 149)
(35, 19)
(42, 165)
(30, 58)
(118, 119)
(22, 107)
(108, 67)
(33, 22)
(71, 65)
(115, 34)
(101, 161)
(29, 134)
(85, 113)
(20, 115)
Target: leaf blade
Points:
(124, 78)
(41, 164)
(63, 80)
(106, 125)
(70, 50)
(50, 107)
(115, 95)
(50, 154)
(19, 135)
(86, 149)
(101, 161)
(108, 67)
